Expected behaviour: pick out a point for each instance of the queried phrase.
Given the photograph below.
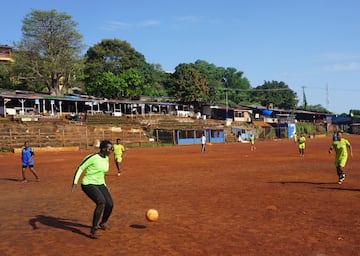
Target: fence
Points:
(68, 136)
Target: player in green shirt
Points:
(118, 154)
(301, 144)
(341, 147)
(93, 185)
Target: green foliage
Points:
(237, 87)
(48, 51)
(310, 128)
(159, 80)
(315, 108)
(5, 74)
(354, 113)
(306, 128)
(277, 93)
(190, 85)
(114, 69)
(221, 81)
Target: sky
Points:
(313, 46)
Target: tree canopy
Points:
(114, 69)
(190, 85)
(48, 54)
(276, 93)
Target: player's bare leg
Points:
(341, 174)
(23, 175)
(118, 167)
(34, 173)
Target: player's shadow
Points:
(11, 179)
(303, 182)
(65, 224)
(342, 188)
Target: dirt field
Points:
(227, 201)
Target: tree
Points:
(49, 51)
(213, 76)
(277, 93)
(190, 86)
(160, 80)
(315, 108)
(132, 75)
(236, 86)
(5, 74)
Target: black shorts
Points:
(30, 165)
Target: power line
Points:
(256, 90)
(335, 89)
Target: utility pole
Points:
(224, 81)
(327, 97)
(304, 98)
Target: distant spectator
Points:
(203, 143)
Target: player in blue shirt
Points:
(27, 160)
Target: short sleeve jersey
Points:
(301, 142)
(252, 139)
(26, 156)
(340, 147)
(96, 167)
(118, 149)
(203, 139)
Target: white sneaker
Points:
(341, 180)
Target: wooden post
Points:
(63, 136)
(174, 137)
(39, 135)
(11, 140)
(87, 141)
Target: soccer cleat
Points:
(341, 179)
(104, 226)
(93, 235)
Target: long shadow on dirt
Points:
(65, 224)
(343, 189)
(303, 182)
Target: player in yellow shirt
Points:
(341, 147)
(118, 154)
(301, 144)
(252, 142)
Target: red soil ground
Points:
(227, 201)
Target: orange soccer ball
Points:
(152, 215)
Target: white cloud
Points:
(338, 56)
(343, 67)
(190, 19)
(117, 25)
(148, 23)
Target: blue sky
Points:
(310, 44)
